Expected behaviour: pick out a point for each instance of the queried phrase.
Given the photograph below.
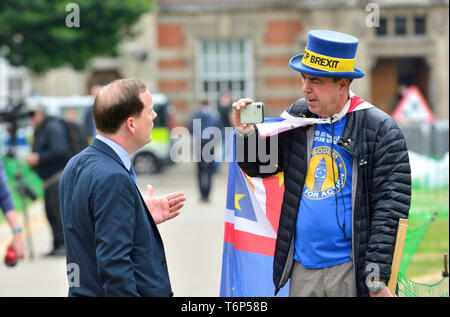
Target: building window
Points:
(224, 66)
(15, 88)
(14, 83)
(419, 25)
(381, 30)
(400, 26)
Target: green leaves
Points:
(37, 36)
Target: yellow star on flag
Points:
(280, 178)
(236, 201)
(248, 178)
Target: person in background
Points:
(7, 205)
(202, 119)
(89, 123)
(49, 155)
(225, 109)
(71, 115)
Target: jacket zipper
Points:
(344, 145)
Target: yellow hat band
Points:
(327, 63)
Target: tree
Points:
(44, 34)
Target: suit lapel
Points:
(103, 147)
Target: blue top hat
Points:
(328, 54)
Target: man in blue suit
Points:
(112, 241)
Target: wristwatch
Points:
(376, 286)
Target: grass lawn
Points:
(428, 259)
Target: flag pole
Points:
(398, 252)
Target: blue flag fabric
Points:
(251, 226)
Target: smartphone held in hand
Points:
(253, 113)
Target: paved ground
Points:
(193, 242)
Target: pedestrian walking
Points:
(201, 120)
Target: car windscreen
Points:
(161, 118)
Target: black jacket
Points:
(381, 188)
(50, 142)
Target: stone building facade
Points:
(197, 49)
(14, 84)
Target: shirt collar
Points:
(120, 151)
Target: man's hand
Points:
(165, 207)
(385, 292)
(33, 159)
(243, 128)
(18, 244)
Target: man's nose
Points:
(306, 85)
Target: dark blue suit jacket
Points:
(110, 237)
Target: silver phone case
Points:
(253, 113)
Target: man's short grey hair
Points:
(36, 106)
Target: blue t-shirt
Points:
(319, 241)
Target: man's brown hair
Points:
(116, 102)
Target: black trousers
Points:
(53, 214)
(205, 172)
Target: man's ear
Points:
(130, 125)
(344, 83)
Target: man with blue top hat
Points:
(347, 178)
